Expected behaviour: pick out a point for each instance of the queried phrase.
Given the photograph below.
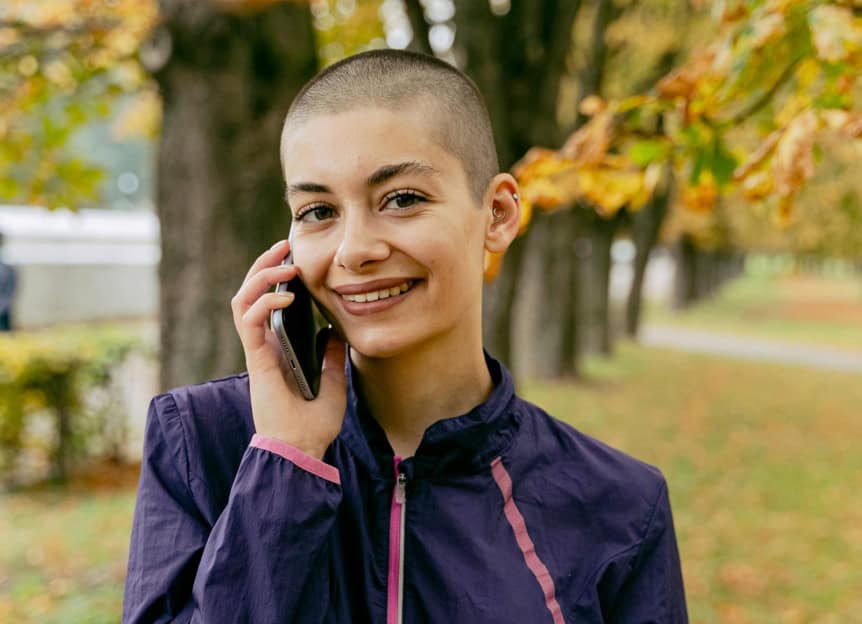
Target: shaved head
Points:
(399, 79)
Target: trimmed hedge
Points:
(63, 376)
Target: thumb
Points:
(334, 358)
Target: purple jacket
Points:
(503, 515)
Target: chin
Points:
(379, 345)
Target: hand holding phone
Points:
(300, 330)
(278, 406)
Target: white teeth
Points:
(380, 294)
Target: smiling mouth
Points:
(377, 295)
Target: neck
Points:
(409, 392)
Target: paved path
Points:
(750, 348)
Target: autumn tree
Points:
(785, 72)
(62, 65)
(226, 73)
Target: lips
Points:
(385, 293)
(373, 285)
(357, 308)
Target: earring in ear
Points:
(497, 214)
(515, 196)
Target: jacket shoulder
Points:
(606, 480)
(209, 404)
(215, 422)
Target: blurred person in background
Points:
(8, 280)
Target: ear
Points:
(501, 231)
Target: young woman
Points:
(417, 486)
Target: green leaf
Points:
(722, 162)
(700, 156)
(648, 151)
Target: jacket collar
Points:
(459, 445)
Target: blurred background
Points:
(687, 285)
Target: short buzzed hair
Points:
(394, 79)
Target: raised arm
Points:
(264, 560)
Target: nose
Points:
(360, 243)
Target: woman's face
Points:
(374, 198)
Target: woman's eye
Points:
(404, 200)
(315, 213)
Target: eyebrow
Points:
(384, 173)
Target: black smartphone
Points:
(298, 328)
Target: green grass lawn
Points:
(64, 550)
(817, 311)
(763, 461)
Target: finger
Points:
(332, 376)
(253, 322)
(252, 290)
(259, 284)
(273, 255)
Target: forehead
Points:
(358, 141)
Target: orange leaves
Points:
(589, 145)
(792, 66)
(584, 169)
(793, 162)
(539, 174)
(758, 156)
(781, 165)
(682, 82)
(493, 264)
(701, 196)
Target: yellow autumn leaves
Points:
(582, 171)
(794, 65)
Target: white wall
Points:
(89, 265)
(659, 277)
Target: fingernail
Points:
(281, 242)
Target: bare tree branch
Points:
(419, 26)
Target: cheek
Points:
(452, 252)
(313, 265)
(450, 265)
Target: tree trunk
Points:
(547, 328)
(517, 61)
(565, 358)
(599, 318)
(498, 303)
(419, 26)
(570, 287)
(646, 225)
(686, 278)
(226, 87)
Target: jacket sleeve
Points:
(651, 592)
(266, 557)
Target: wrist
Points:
(309, 448)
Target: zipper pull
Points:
(401, 488)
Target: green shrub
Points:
(53, 372)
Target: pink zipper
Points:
(395, 583)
